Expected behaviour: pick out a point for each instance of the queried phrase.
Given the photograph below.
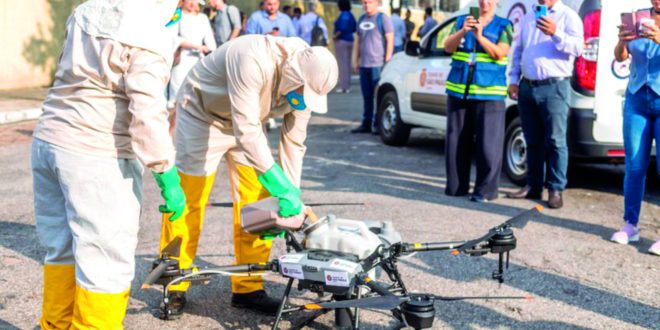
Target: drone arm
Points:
(436, 246)
(375, 286)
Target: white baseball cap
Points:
(320, 73)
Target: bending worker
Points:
(103, 119)
(220, 110)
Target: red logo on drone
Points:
(329, 278)
(286, 270)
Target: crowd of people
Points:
(106, 118)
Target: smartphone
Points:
(628, 22)
(541, 11)
(642, 18)
(475, 12)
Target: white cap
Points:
(320, 73)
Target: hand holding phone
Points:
(541, 11)
(475, 12)
(628, 26)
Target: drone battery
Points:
(419, 311)
(321, 270)
(264, 215)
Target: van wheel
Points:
(515, 153)
(393, 131)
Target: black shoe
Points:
(555, 199)
(175, 305)
(526, 193)
(257, 301)
(478, 199)
(361, 129)
(375, 131)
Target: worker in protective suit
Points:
(103, 120)
(221, 107)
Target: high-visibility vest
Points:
(489, 75)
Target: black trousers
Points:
(474, 128)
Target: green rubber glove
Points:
(170, 188)
(278, 185)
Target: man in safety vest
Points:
(103, 120)
(221, 107)
(476, 87)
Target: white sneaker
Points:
(655, 248)
(627, 234)
(339, 91)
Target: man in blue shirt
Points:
(399, 30)
(542, 63)
(271, 21)
(429, 22)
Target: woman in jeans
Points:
(345, 27)
(641, 119)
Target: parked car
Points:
(411, 91)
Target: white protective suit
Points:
(104, 118)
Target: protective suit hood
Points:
(137, 23)
(314, 67)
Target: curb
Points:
(10, 117)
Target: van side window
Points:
(437, 42)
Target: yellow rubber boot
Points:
(59, 291)
(189, 226)
(249, 248)
(99, 311)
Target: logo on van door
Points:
(621, 70)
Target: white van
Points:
(411, 91)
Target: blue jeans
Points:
(368, 81)
(544, 116)
(397, 49)
(641, 124)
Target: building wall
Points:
(31, 35)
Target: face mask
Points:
(175, 17)
(296, 101)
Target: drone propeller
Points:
(381, 302)
(225, 204)
(444, 298)
(173, 249)
(390, 302)
(519, 221)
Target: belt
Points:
(543, 82)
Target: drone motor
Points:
(419, 311)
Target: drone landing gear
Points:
(344, 317)
(502, 243)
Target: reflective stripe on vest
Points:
(480, 57)
(475, 89)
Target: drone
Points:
(337, 259)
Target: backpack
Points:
(318, 36)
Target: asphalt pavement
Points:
(579, 280)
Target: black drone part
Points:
(502, 243)
(419, 311)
